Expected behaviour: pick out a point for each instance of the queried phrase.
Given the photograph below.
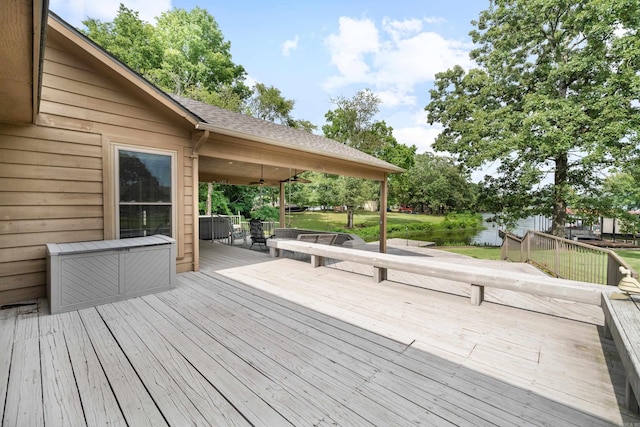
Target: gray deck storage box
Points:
(85, 274)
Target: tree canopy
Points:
(352, 123)
(438, 185)
(553, 100)
(184, 53)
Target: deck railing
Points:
(269, 227)
(565, 258)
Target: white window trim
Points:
(116, 182)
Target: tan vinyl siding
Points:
(52, 176)
(51, 191)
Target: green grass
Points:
(631, 257)
(479, 252)
(332, 221)
(404, 226)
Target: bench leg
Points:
(273, 252)
(607, 330)
(630, 399)
(316, 261)
(379, 274)
(477, 294)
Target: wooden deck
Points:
(254, 341)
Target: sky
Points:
(315, 51)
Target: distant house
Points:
(90, 150)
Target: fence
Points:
(565, 258)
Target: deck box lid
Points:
(107, 245)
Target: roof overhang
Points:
(232, 157)
(228, 157)
(22, 26)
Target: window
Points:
(145, 192)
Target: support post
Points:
(380, 274)
(630, 398)
(477, 294)
(281, 202)
(196, 143)
(317, 261)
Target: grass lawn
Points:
(331, 221)
(631, 257)
(479, 252)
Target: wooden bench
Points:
(321, 239)
(622, 317)
(477, 277)
(622, 323)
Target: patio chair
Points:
(236, 232)
(257, 233)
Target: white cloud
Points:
(391, 98)
(250, 82)
(420, 136)
(289, 45)
(391, 60)
(355, 39)
(75, 11)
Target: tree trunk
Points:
(559, 216)
(349, 217)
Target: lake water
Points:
(488, 236)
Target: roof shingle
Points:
(251, 127)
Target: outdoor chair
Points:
(257, 233)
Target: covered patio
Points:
(241, 343)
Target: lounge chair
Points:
(257, 233)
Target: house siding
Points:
(55, 177)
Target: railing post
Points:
(556, 264)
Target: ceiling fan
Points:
(261, 182)
(296, 178)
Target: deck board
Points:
(371, 374)
(529, 406)
(98, 401)
(7, 326)
(133, 398)
(25, 374)
(251, 340)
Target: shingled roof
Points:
(223, 121)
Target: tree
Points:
(128, 38)
(184, 53)
(553, 100)
(195, 53)
(352, 123)
(437, 184)
(267, 103)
